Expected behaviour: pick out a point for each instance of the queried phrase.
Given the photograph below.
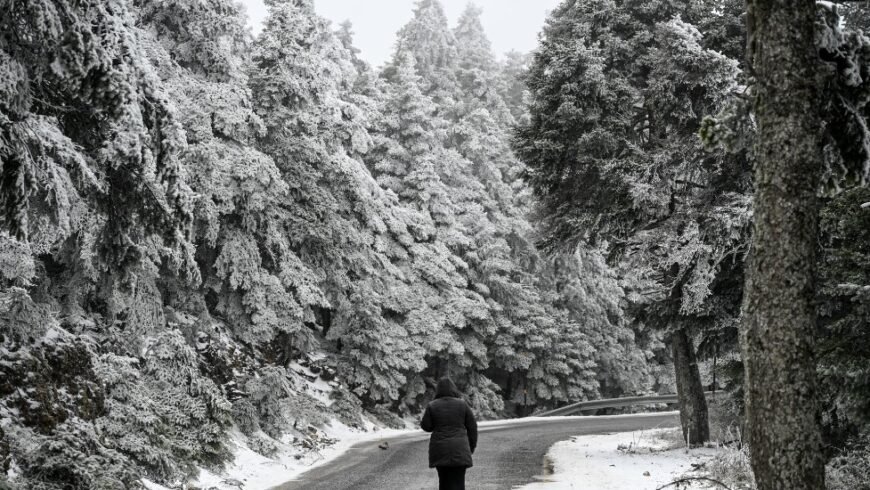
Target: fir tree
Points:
(340, 222)
(90, 120)
(513, 72)
(467, 136)
(646, 178)
(427, 38)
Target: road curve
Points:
(508, 454)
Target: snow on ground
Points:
(315, 386)
(600, 462)
(252, 471)
(640, 460)
(256, 472)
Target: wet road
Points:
(508, 454)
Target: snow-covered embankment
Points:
(641, 460)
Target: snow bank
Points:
(297, 451)
(252, 471)
(640, 460)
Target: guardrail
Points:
(613, 403)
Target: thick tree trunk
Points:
(778, 311)
(690, 391)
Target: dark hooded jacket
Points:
(453, 428)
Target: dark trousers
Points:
(451, 478)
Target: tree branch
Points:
(695, 478)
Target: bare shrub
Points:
(724, 416)
(851, 469)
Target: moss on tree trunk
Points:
(778, 310)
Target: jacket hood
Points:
(446, 387)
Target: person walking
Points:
(454, 435)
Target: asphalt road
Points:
(507, 455)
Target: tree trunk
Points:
(690, 391)
(778, 311)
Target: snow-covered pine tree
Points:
(843, 317)
(89, 120)
(94, 196)
(529, 344)
(428, 39)
(590, 291)
(434, 280)
(414, 159)
(256, 295)
(466, 134)
(512, 71)
(253, 280)
(646, 180)
(842, 278)
(351, 234)
(409, 159)
(477, 71)
(161, 412)
(409, 146)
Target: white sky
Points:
(510, 24)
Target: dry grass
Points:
(724, 416)
(637, 438)
(653, 441)
(672, 439)
(850, 471)
(731, 465)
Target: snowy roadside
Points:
(293, 455)
(252, 471)
(643, 451)
(640, 460)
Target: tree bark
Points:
(778, 311)
(690, 391)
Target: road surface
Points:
(507, 455)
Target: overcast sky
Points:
(510, 24)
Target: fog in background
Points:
(510, 24)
